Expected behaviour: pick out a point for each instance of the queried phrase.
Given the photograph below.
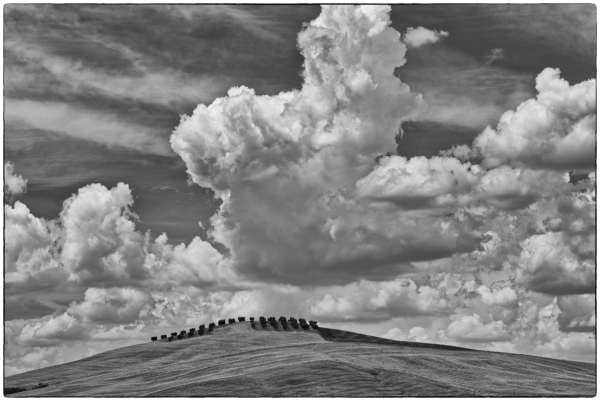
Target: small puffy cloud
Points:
(417, 334)
(500, 296)
(471, 328)
(493, 55)
(416, 37)
(14, 184)
(197, 264)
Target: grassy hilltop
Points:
(238, 361)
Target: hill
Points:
(238, 361)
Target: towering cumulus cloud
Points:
(286, 166)
(489, 246)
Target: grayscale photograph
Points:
(299, 200)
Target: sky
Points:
(416, 172)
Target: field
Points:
(237, 361)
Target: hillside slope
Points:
(238, 361)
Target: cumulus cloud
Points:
(28, 244)
(417, 334)
(419, 182)
(556, 130)
(471, 328)
(14, 184)
(94, 243)
(549, 266)
(500, 296)
(113, 305)
(416, 37)
(381, 301)
(98, 239)
(543, 334)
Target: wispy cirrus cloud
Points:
(69, 78)
(86, 124)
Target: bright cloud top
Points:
(556, 130)
(14, 184)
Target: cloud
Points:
(471, 328)
(417, 37)
(198, 264)
(244, 19)
(14, 184)
(555, 130)
(493, 55)
(533, 326)
(28, 244)
(166, 87)
(98, 240)
(165, 188)
(547, 338)
(550, 267)
(113, 305)
(52, 331)
(368, 301)
(577, 313)
(86, 124)
(502, 296)
(568, 27)
(417, 334)
(94, 243)
(446, 183)
(418, 182)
